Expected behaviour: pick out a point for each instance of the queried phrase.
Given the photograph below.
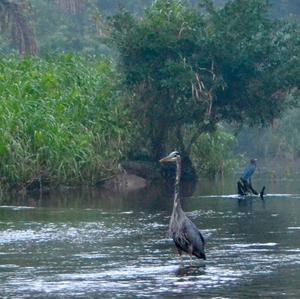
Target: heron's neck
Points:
(177, 183)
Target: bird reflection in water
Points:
(191, 271)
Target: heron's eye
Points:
(174, 154)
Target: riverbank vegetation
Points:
(61, 121)
(188, 70)
(142, 83)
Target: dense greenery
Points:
(61, 121)
(211, 153)
(187, 69)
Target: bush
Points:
(61, 119)
(211, 153)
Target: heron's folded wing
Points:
(193, 234)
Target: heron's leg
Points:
(191, 261)
(180, 255)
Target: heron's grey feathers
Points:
(182, 230)
(188, 238)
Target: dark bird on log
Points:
(185, 234)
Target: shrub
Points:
(61, 119)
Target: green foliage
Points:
(61, 26)
(14, 19)
(61, 119)
(256, 57)
(211, 153)
(58, 31)
(159, 56)
(187, 69)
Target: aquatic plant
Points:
(61, 121)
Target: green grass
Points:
(211, 153)
(61, 119)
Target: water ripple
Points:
(90, 253)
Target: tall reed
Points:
(61, 121)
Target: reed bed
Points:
(61, 121)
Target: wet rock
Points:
(124, 182)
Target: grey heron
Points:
(185, 234)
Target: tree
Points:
(190, 68)
(58, 25)
(13, 18)
(156, 58)
(257, 59)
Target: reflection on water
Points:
(93, 244)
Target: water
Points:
(96, 244)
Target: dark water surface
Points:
(95, 244)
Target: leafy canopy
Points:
(190, 67)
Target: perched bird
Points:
(249, 170)
(185, 234)
(245, 184)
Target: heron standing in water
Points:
(185, 234)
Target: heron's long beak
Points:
(167, 159)
(164, 160)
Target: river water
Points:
(103, 245)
